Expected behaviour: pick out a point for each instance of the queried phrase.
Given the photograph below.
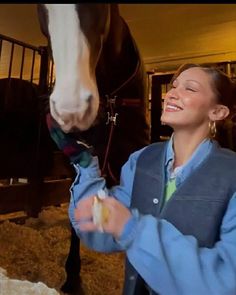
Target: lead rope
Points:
(111, 119)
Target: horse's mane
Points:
(120, 57)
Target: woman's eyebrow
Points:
(195, 81)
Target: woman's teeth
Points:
(172, 107)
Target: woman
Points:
(174, 212)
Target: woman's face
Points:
(189, 101)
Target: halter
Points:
(112, 103)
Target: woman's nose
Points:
(172, 94)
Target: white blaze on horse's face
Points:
(74, 101)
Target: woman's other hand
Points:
(118, 216)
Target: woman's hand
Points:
(117, 218)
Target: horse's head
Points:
(75, 33)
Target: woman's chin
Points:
(168, 123)
(165, 122)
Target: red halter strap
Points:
(112, 102)
(112, 120)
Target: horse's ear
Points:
(43, 19)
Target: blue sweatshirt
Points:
(181, 266)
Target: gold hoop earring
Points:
(212, 127)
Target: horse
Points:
(100, 88)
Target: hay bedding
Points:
(37, 251)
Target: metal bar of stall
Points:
(32, 67)
(12, 40)
(43, 72)
(11, 60)
(22, 62)
(0, 48)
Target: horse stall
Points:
(33, 173)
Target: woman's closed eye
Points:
(190, 89)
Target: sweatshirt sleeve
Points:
(87, 182)
(173, 264)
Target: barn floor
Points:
(37, 250)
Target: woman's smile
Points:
(171, 107)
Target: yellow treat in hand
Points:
(100, 212)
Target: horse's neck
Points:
(116, 31)
(119, 57)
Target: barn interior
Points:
(167, 35)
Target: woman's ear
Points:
(220, 112)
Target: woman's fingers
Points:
(117, 218)
(116, 215)
(84, 209)
(87, 226)
(84, 215)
